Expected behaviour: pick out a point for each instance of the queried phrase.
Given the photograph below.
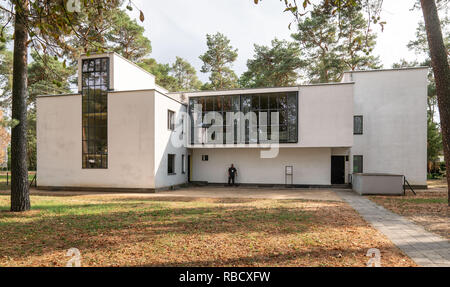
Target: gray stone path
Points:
(425, 248)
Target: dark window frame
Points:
(183, 164)
(95, 81)
(247, 103)
(171, 163)
(170, 120)
(361, 169)
(361, 130)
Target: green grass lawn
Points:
(126, 230)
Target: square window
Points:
(205, 157)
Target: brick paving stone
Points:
(425, 248)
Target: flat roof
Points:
(116, 92)
(58, 95)
(387, 70)
(97, 55)
(236, 90)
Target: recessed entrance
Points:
(337, 169)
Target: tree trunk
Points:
(441, 71)
(20, 195)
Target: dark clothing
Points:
(231, 175)
(232, 171)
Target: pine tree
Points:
(275, 66)
(185, 75)
(217, 60)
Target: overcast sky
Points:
(178, 28)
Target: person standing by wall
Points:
(232, 173)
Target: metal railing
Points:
(405, 182)
(33, 180)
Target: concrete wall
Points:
(130, 142)
(326, 116)
(164, 144)
(128, 76)
(124, 75)
(311, 165)
(378, 184)
(394, 106)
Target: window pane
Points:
(236, 103)
(209, 101)
(227, 103)
(255, 102)
(94, 113)
(85, 66)
(201, 101)
(246, 103)
(170, 163)
(283, 134)
(283, 117)
(282, 101)
(358, 125)
(292, 133)
(285, 104)
(273, 101)
(98, 65)
(218, 103)
(264, 102)
(357, 163)
(91, 67)
(183, 169)
(170, 120)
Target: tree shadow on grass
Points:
(66, 226)
(316, 257)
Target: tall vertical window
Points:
(95, 84)
(170, 120)
(357, 164)
(183, 164)
(358, 125)
(171, 164)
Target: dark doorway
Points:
(337, 169)
(189, 168)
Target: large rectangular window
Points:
(358, 125)
(357, 164)
(263, 105)
(95, 84)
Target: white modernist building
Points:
(122, 131)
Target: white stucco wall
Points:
(164, 144)
(326, 116)
(128, 76)
(130, 142)
(393, 104)
(124, 75)
(311, 165)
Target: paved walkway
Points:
(425, 248)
